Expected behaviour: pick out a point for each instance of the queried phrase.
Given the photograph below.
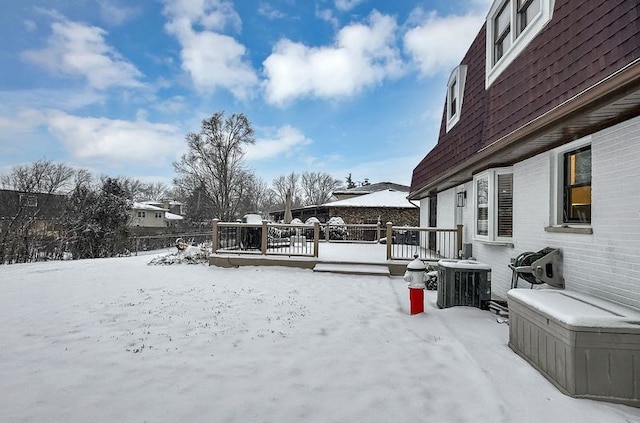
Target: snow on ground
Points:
(117, 340)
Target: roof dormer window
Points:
(455, 91)
(511, 26)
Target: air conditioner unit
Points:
(463, 283)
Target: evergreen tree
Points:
(96, 222)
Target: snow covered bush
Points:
(190, 255)
(337, 228)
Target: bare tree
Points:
(317, 187)
(42, 176)
(132, 187)
(82, 178)
(284, 183)
(155, 191)
(215, 162)
(258, 196)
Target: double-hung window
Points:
(493, 193)
(576, 204)
(502, 32)
(526, 11)
(511, 26)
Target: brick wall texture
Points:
(356, 215)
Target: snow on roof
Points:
(387, 198)
(172, 216)
(144, 206)
(378, 186)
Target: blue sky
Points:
(335, 86)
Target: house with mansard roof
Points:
(539, 144)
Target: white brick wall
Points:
(605, 263)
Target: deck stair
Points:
(369, 269)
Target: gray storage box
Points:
(586, 346)
(463, 283)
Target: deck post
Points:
(389, 239)
(459, 241)
(214, 239)
(316, 238)
(265, 238)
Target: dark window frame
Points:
(572, 212)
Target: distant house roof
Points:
(173, 216)
(145, 206)
(365, 189)
(388, 198)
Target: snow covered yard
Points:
(117, 340)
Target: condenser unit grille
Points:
(463, 287)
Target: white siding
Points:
(605, 263)
(447, 209)
(424, 212)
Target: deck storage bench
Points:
(586, 346)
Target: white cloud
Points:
(269, 12)
(327, 16)
(30, 25)
(171, 105)
(20, 121)
(75, 49)
(362, 55)
(64, 98)
(212, 15)
(438, 44)
(116, 14)
(114, 140)
(213, 60)
(286, 141)
(346, 5)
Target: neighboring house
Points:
(384, 202)
(172, 206)
(145, 215)
(376, 207)
(43, 208)
(539, 144)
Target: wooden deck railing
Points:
(278, 239)
(266, 238)
(426, 243)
